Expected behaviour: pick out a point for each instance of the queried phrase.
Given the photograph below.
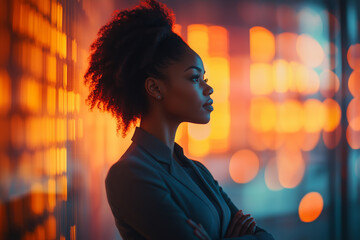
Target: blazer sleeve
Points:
(259, 234)
(138, 196)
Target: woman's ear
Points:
(153, 87)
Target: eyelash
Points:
(197, 77)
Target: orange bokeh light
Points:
(290, 116)
(309, 51)
(353, 114)
(262, 114)
(353, 138)
(353, 56)
(332, 139)
(218, 41)
(286, 46)
(261, 78)
(354, 83)
(329, 83)
(306, 80)
(283, 76)
(291, 167)
(314, 115)
(262, 44)
(244, 166)
(332, 115)
(271, 175)
(310, 207)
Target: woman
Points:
(141, 70)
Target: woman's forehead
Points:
(191, 60)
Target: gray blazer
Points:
(151, 196)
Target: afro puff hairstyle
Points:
(135, 44)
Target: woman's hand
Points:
(199, 230)
(241, 225)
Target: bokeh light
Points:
(244, 166)
(310, 207)
(262, 44)
(353, 114)
(309, 50)
(353, 56)
(354, 83)
(291, 167)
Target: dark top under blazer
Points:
(151, 196)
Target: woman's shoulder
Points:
(133, 163)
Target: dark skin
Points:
(180, 98)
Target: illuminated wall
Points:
(283, 139)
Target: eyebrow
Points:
(197, 68)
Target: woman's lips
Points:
(209, 107)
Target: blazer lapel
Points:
(214, 195)
(179, 173)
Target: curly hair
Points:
(135, 44)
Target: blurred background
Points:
(283, 140)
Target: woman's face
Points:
(186, 92)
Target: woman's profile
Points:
(140, 69)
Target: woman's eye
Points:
(196, 78)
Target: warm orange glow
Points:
(271, 139)
(283, 76)
(286, 46)
(329, 83)
(198, 148)
(332, 139)
(198, 39)
(261, 78)
(50, 227)
(262, 114)
(309, 51)
(5, 92)
(306, 80)
(332, 114)
(30, 95)
(291, 167)
(354, 83)
(353, 138)
(5, 45)
(243, 166)
(353, 114)
(253, 140)
(310, 207)
(290, 116)
(17, 136)
(50, 68)
(218, 72)
(310, 141)
(314, 115)
(271, 175)
(74, 50)
(33, 128)
(37, 199)
(51, 194)
(262, 44)
(220, 126)
(177, 29)
(199, 131)
(218, 41)
(353, 56)
(51, 100)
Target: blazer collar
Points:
(158, 149)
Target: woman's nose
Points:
(210, 90)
